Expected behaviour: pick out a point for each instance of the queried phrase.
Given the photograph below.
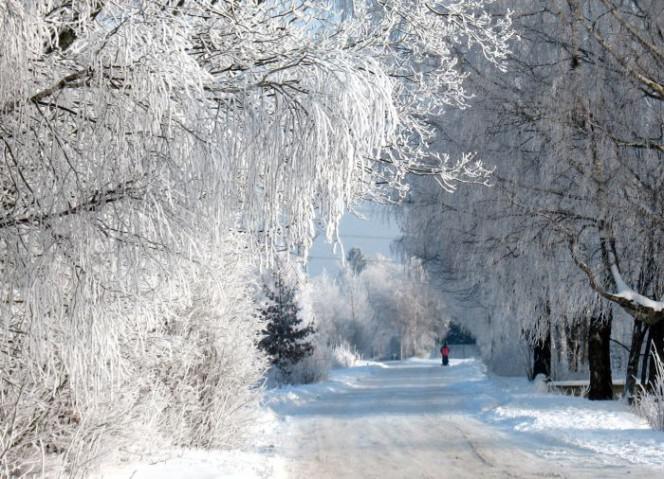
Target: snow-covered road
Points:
(414, 420)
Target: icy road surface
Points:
(415, 419)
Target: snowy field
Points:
(416, 419)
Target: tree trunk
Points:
(599, 356)
(542, 356)
(646, 356)
(638, 333)
(576, 333)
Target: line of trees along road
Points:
(569, 237)
(380, 309)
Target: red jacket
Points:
(445, 351)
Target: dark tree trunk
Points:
(575, 336)
(542, 356)
(656, 346)
(638, 333)
(646, 356)
(599, 356)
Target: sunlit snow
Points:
(387, 408)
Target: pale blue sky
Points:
(372, 235)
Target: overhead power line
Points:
(368, 260)
(369, 237)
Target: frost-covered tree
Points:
(570, 229)
(152, 154)
(356, 260)
(386, 310)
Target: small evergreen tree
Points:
(285, 339)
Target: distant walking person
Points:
(445, 353)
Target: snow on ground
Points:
(570, 430)
(395, 413)
(289, 398)
(198, 464)
(607, 431)
(150, 461)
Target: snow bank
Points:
(570, 428)
(199, 464)
(255, 462)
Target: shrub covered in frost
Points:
(316, 366)
(174, 361)
(651, 402)
(344, 356)
(311, 369)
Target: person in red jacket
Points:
(445, 353)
